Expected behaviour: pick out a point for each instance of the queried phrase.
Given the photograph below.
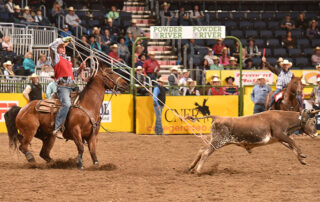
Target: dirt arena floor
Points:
(151, 168)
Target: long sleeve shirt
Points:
(53, 51)
(259, 93)
(72, 20)
(28, 64)
(51, 89)
(283, 79)
(151, 66)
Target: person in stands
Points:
(33, 91)
(216, 89)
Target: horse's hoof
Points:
(96, 163)
(303, 156)
(80, 167)
(302, 162)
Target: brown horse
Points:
(82, 122)
(290, 101)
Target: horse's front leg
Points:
(76, 134)
(92, 143)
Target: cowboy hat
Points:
(220, 39)
(26, 8)
(161, 80)
(7, 63)
(233, 59)
(70, 8)
(185, 71)
(312, 21)
(215, 76)
(17, 7)
(316, 49)
(174, 68)
(139, 68)
(280, 59)
(251, 39)
(260, 77)
(230, 77)
(165, 4)
(215, 57)
(134, 21)
(151, 53)
(65, 26)
(215, 79)
(34, 75)
(114, 46)
(286, 62)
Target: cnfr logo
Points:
(5, 106)
(198, 111)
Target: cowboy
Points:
(259, 93)
(64, 79)
(142, 79)
(315, 95)
(33, 91)
(230, 89)
(8, 72)
(191, 90)
(280, 59)
(284, 77)
(159, 99)
(173, 81)
(151, 67)
(215, 89)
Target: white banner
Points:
(310, 76)
(250, 78)
(5, 106)
(105, 112)
(187, 32)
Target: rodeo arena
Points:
(186, 99)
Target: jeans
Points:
(258, 108)
(64, 97)
(272, 97)
(158, 127)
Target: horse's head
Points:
(295, 86)
(113, 80)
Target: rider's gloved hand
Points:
(67, 39)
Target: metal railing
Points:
(22, 43)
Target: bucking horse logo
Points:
(203, 109)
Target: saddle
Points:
(53, 105)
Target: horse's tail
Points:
(204, 117)
(10, 119)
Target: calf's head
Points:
(309, 122)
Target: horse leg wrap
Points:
(79, 162)
(29, 156)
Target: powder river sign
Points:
(187, 32)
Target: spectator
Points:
(151, 67)
(138, 52)
(40, 19)
(10, 7)
(66, 32)
(52, 89)
(315, 95)
(301, 22)
(33, 91)
(259, 93)
(252, 49)
(136, 31)
(196, 16)
(43, 61)
(235, 51)
(8, 70)
(114, 54)
(17, 16)
(216, 89)
(123, 50)
(114, 30)
(230, 88)
(6, 44)
(191, 47)
(159, 99)
(174, 82)
(55, 12)
(287, 23)
(224, 58)
(1, 37)
(249, 64)
(129, 40)
(142, 79)
(114, 15)
(289, 42)
(93, 43)
(280, 59)
(142, 59)
(165, 14)
(217, 48)
(233, 63)
(182, 16)
(107, 40)
(27, 15)
(84, 42)
(72, 19)
(47, 73)
(191, 90)
(183, 80)
(28, 64)
(208, 59)
(315, 58)
(97, 35)
(313, 31)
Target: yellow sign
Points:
(186, 105)
(117, 116)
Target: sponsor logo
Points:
(105, 112)
(5, 106)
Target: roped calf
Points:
(257, 130)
